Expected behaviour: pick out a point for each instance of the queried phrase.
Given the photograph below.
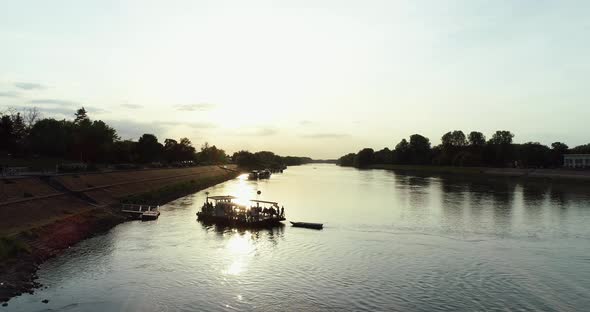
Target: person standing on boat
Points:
(282, 211)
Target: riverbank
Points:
(548, 174)
(40, 216)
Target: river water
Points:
(391, 242)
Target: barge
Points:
(226, 211)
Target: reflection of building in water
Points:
(576, 160)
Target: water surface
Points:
(391, 242)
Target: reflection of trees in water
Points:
(414, 190)
(472, 203)
(453, 198)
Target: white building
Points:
(576, 160)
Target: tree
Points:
(7, 139)
(581, 149)
(81, 115)
(558, 149)
(124, 152)
(245, 159)
(170, 148)
(499, 150)
(384, 156)
(50, 137)
(476, 139)
(454, 139)
(502, 137)
(533, 155)
(347, 160)
(364, 158)
(420, 149)
(211, 155)
(401, 153)
(31, 116)
(148, 148)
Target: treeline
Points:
(92, 141)
(458, 149)
(26, 134)
(265, 159)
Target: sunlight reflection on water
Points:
(391, 242)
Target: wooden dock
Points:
(139, 210)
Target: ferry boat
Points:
(224, 210)
(253, 175)
(264, 174)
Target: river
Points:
(391, 242)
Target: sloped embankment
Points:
(41, 216)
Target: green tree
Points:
(211, 155)
(454, 139)
(476, 139)
(384, 156)
(558, 149)
(499, 150)
(420, 150)
(502, 137)
(148, 148)
(50, 137)
(81, 115)
(364, 158)
(347, 160)
(401, 153)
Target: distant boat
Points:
(316, 226)
(264, 174)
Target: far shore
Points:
(548, 174)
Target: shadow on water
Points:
(272, 233)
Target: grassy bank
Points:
(22, 252)
(174, 191)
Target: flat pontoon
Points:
(225, 210)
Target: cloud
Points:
(195, 107)
(129, 129)
(306, 122)
(132, 106)
(263, 131)
(28, 85)
(8, 94)
(195, 125)
(55, 102)
(325, 135)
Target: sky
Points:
(308, 78)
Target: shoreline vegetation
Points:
(31, 143)
(547, 174)
(472, 154)
(69, 208)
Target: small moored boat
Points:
(253, 175)
(316, 226)
(150, 215)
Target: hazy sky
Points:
(315, 78)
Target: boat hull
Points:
(223, 221)
(315, 226)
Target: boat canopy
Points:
(230, 197)
(263, 202)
